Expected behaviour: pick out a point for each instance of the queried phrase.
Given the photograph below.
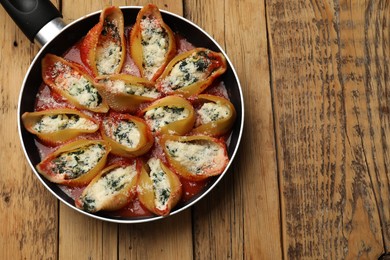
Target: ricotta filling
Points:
(54, 123)
(197, 157)
(120, 86)
(155, 43)
(211, 112)
(186, 72)
(124, 132)
(108, 57)
(161, 185)
(109, 50)
(76, 85)
(164, 115)
(75, 163)
(107, 187)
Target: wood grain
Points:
(311, 180)
(330, 82)
(169, 238)
(82, 237)
(28, 212)
(173, 6)
(222, 226)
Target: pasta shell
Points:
(55, 126)
(159, 189)
(103, 49)
(152, 42)
(75, 163)
(129, 136)
(195, 157)
(191, 72)
(71, 81)
(125, 93)
(113, 188)
(216, 115)
(170, 115)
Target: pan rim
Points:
(154, 217)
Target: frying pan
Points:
(42, 23)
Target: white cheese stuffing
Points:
(211, 112)
(75, 163)
(54, 123)
(107, 187)
(108, 57)
(164, 115)
(197, 157)
(161, 185)
(76, 85)
(124, 132)
(155, 43)
(186, 72)
(59, 68)
(120, 86)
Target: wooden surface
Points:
(312, 177)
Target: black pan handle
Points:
(31, 15)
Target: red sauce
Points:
(73, 192)
(47, 99)
(191, 188)
(134, 209)
(73, 54)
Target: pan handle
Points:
(39, 20)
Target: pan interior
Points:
(69, 37)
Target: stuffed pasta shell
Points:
(129, 136)
(152, 42)
(159, 189)
(56, 126)
(103, 49)
(191, 72)
(125, 93)
(170, 115)
(75, 163)
(113, 188)
(71, 81)
(195, 157)
(215, 115)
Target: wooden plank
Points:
(330, 86)
(28, 212)
(171, 6)
(168, 238)
(82, 237)
(240, 219)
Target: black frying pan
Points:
(42, 23)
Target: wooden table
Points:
(312, 178)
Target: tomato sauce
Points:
(191, 188)
(47, 99)
(134, 209)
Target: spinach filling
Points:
(165, 115)
(89, 204)
(115, 184)
(189, 71)
(155, 44)
(75, 163)
(62, 121)
(85, 93)
(127, 133)
(161, 194)
(111, 29)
